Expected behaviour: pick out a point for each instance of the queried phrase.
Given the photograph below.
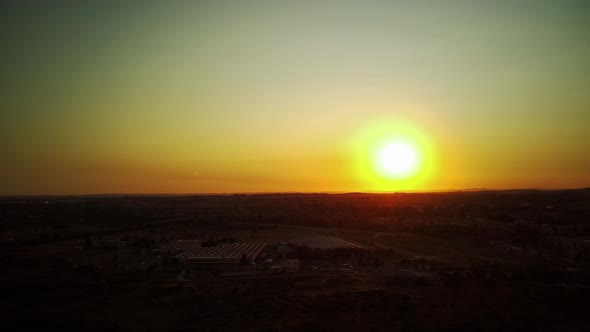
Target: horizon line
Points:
(328, 192)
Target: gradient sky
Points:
(257, 96)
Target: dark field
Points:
(465, 261)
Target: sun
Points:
(398, 159)
(394, 155)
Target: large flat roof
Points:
(228, 251)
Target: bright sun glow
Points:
(398, 159)
(394, 155)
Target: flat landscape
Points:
(464, 261)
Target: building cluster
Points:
(193, 253)
(198, 254)
(226, 254)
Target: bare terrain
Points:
(463, 261)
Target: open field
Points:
(362, 266)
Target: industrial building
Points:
(224, 255)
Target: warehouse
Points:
(225, 255)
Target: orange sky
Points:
(173, 97)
